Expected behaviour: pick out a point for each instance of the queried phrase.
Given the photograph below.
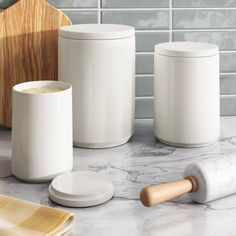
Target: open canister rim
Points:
(19, 88)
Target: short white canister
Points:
(99, 61)
(42, 145)
(186, 104)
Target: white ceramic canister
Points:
(99, 61)
(42, 145)
(187, 110)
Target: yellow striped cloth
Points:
(22, 218)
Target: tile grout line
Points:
(149, 8)
(145, 9)
(151, 97)
(171, 21)
(77, 9)
(99, 11)
(189, 30)
(206, 30)
(203, 8)
(151, 74)
(152, 52)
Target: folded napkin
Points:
(22, 218)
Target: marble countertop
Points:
(140, 162)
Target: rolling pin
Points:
(205, 181)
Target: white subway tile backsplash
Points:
(134, 3)
(228, 84)
(203, 19)
(146, 41)
(140, 19)
(144, 85)
(228, 105)
(6, 3)
(82, 17)
(144, 64)
(144, 108)
(228, 62)
(59, 3)
(225, 40)
(74, 3)
(204, 3)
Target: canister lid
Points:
(96, 31)
(81, 189)
(187, 49)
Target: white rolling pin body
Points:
(216, 178)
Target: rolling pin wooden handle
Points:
(155, 194)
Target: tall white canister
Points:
(187, 97)
(99, 61)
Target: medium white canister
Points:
(187, 97)
(99, 61)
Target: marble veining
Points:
(142, 161)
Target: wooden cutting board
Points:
(28, 47)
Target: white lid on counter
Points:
(81, 189)
(187, 49)
(96, 31)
